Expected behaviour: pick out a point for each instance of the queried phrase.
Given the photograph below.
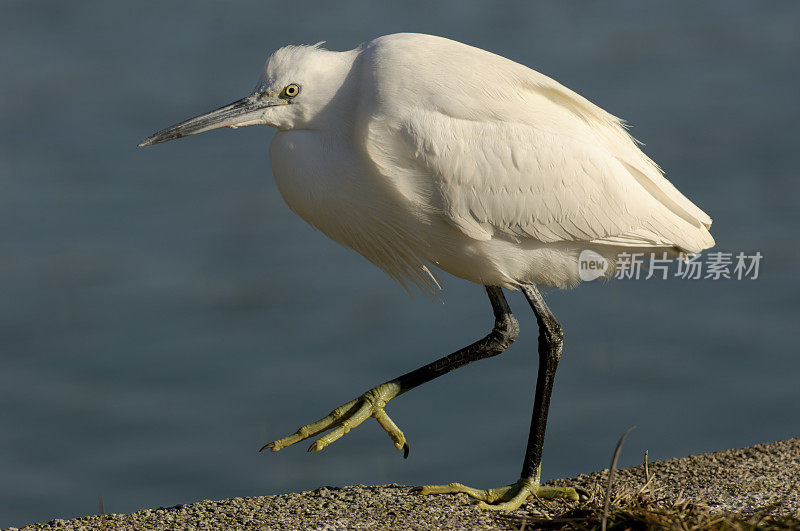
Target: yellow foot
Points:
(348, 416)
(506, 498)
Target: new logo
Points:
(591, 265)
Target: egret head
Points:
(296, 86)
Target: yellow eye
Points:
(291, 90)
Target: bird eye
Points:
(291, 90)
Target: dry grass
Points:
(623, 508)
(643, 510)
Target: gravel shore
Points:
(734, 481)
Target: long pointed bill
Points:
(247, 111)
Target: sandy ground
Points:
(741, 481)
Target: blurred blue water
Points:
(164, 313)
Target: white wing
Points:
(522, 157)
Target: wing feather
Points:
(520, 158)
(548, 187)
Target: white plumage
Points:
(416, 150)
(449, 155)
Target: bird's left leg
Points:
(371, 404)
(511, 497)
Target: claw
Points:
(346, 417)
(268, 445)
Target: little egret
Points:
(419, 151)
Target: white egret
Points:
(419, 151)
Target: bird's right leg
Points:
(511, 497)
(372, 403)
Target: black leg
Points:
(372, 403)
(512, 496)
(551, 338)
(505, 331)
